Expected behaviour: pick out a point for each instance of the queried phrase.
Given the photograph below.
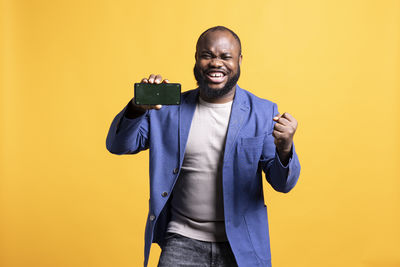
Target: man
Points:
(206, 157)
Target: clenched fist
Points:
(283, 133)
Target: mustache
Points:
(212, 93)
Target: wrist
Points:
(133, 111)
(285, 149)
(284, 154)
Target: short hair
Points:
(220, 28)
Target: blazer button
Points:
(164, 194)
(152, 217)
(176, 170)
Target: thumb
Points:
(276, 118)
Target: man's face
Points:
(218, 60)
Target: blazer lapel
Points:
(186, 112)
(238, 113)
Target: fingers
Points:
(285, 115)
(285, 123)
(279, 127)
(283, 131)
(275, 133)
(151, 78)
(276, 118)
(288, 116)
(279, 137)
(157, 79)
(157, 107)
(282, 119)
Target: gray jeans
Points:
(181, 251)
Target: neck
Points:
(220, 100)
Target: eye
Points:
(206, 55)
(226, 57)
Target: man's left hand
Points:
(283, 133)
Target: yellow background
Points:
(68, 67)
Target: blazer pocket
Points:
(249, 152)
(252, 141)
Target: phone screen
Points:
(157, 94)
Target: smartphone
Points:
(157, 94)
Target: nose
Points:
(215, 62)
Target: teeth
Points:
(218, 74)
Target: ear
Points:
(240, 59)
(195, 55)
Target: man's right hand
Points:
(134, 110)
(157, 79)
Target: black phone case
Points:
(157, 94)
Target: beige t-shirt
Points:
(197, 201)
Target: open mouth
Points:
(216, 76)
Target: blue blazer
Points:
(249, 150)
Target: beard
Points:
(215, 93)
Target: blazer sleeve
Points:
(281, 178)
(128, 136)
